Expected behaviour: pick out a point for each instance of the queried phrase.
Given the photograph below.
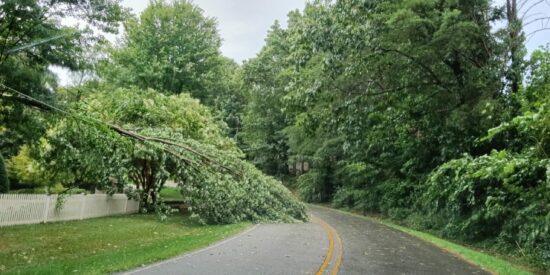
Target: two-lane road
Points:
(332, 243)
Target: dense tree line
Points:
(412, 109)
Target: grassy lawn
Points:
(490, 263)
(102, 245)
(171, 194)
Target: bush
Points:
(365, 189)
(311, 187)
(322, 181)
(365, 200)
(347, 197)
(501, 197)
(4, 181)
(27, 171)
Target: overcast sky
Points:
(243, 24)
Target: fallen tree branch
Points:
(36, 103)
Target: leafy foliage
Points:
(33, 40)
(141, 122)
(390, 102)
(88, 153)
(264, 118)
(172, 48)
(26, 170)
(218, 198)
(412, 109)
(501, 195)
(82, 156)
(320, 184)
(81, 149)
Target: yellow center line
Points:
(329, 230)
(330, 248)
(340, 253)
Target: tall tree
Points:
(32, 39)
(172, 48)
(264, 119)
(515, 41)
(520, 15)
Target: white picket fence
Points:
(31, 208)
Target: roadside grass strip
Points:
(490, 263)
(103, 245)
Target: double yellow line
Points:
(331, 232)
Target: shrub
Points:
(347, 197)
(365, 189)
(502, 197)
(322, 181)
(26, 170)
(311, 187)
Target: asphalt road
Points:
(332, 243)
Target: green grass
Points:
(103, 245)
(490, 263)
(171, 194)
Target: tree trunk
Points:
(4, 182)
(515, 35)
(144, 177)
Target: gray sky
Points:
(243, 24)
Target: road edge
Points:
(177, 258)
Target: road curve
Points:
(332, 243)
(372, 248)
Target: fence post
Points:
(82, 207)
(126, 205)
(109, 199)
(46, 209)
